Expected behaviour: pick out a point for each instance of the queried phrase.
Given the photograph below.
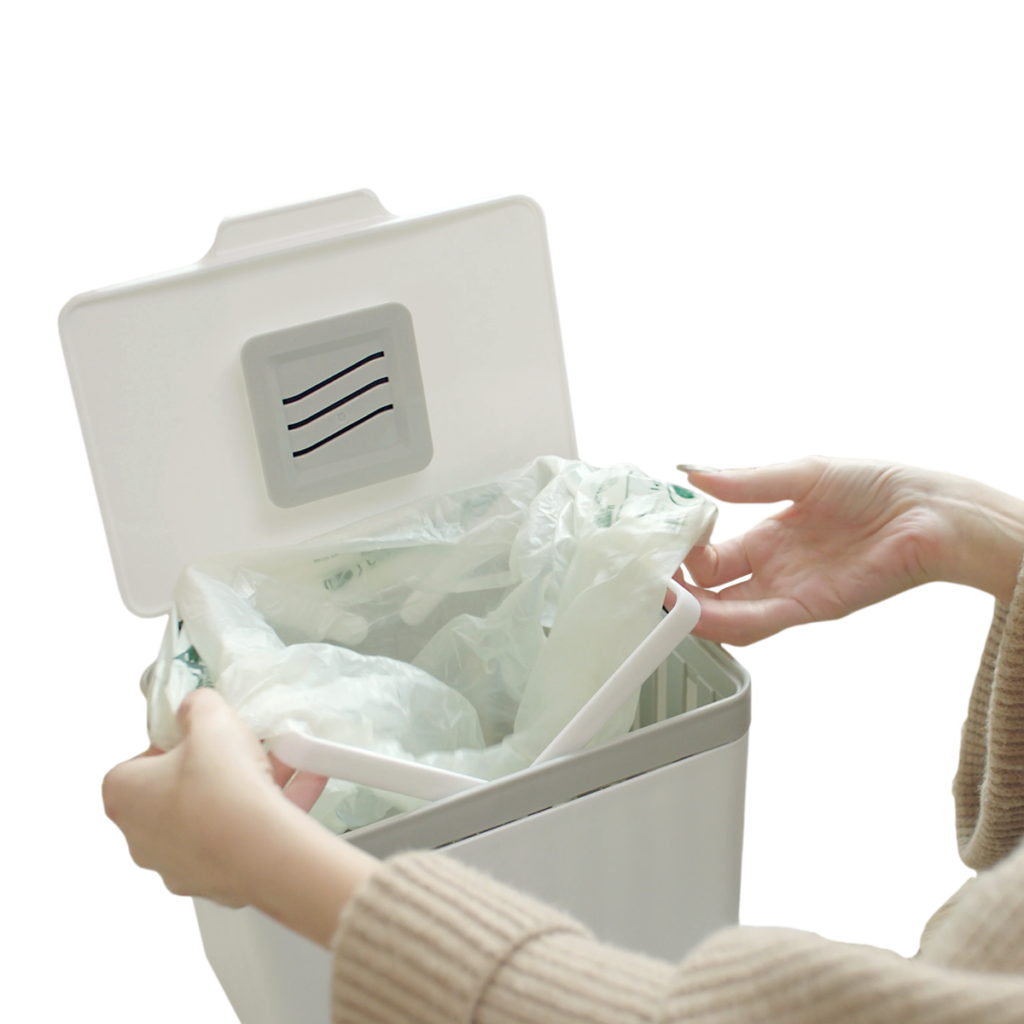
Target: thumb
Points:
(783, 481)
(204, 710)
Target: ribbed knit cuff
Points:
(423, 938)
(989, 786)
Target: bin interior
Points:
(695, 674)
(697, 700)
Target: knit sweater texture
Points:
(428, 941)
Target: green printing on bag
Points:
(612, 497)
(682, 492)
(368, 559)
(191, 660)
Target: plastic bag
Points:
(463, 631)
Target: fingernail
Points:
(692, 467)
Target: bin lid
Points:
(323, 362)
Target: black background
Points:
(754, 316)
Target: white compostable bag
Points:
(462, 631)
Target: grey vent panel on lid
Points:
(337, 404)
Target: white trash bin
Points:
(440, 335)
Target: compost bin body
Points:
(649, 863)
(641, 837)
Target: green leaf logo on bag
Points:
(196, 667)
(674, 491)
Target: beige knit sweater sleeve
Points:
(427, 940)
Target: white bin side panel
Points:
(651, 864)
(270, 974)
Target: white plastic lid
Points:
(156, 370)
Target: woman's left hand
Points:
(201, 814)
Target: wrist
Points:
(984, 541)
(304, 875)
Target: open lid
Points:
(321, 363)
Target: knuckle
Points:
(175, 887)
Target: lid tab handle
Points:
(271, 230)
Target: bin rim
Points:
(540, 787)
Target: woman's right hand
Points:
(856, 533)
(209, 816)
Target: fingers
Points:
(784, 481)
(712, 565)
(204, 713)
(740, 621)
(304, 789)
(210, 722)
(281, 772)
(200, 706)
(125, 786)
(715, 564)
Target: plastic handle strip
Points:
(365, 768)
(628, 678)
(424, 782)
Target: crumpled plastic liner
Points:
(462, 631)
